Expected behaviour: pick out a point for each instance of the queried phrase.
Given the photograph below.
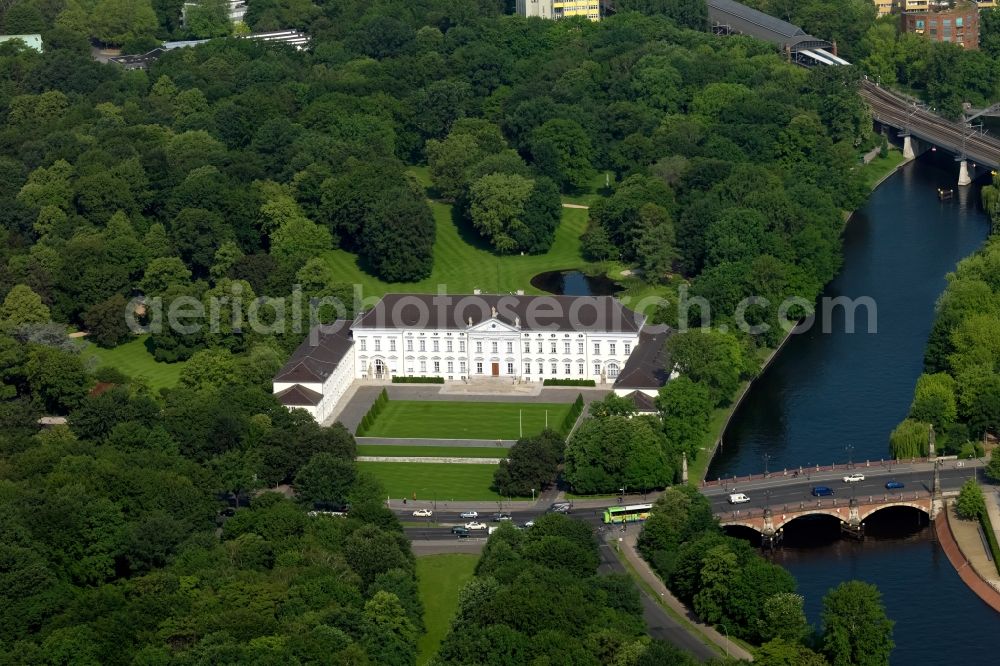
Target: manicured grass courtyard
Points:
(465, 420)
(463, 262)
(442, 482)
(440, 578)
(433, 451)
(134, 360)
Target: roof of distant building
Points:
(529, 313)
(298, 396)
(318, 355)
(749, 21)
(648, 365)
(31, 41)
(644, 404)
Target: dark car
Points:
(821, 491)
(894, 485)
(461, 531)
(498, 517)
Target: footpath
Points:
(726, 645)
(963, 545)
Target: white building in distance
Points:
(503, 338)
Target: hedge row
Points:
(991, 537)
(380, 402)
(417, 380)
(569, 382)
(572, 416)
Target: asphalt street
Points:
(659, 623)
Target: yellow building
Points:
(556, 9)
(589, 8)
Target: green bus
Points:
(627, 514)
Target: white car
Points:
(475, 525)
(423, 513)
(469, 514)
(738, 498)
(854, 478)
(530, 523)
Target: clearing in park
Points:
(439, 482)
(440, 578)
(134, 360)
(438, 419)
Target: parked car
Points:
(894, 485)
(854, 478)
(460, 531)
(475, 525)
(738, 498)
(423, 513)
(498, 517)
(821, 491)
(469, 514)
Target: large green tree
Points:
(856, 630)
(606, 454)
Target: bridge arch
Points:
(868, 511)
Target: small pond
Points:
(575, 283)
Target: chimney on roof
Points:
(477, 291)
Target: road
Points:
(659, 623)
(786, 489)
(904, 114)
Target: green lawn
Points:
(878, 168)
(434, 451)
(442, 482)
(462, 261)
(134, 360)
(440, 578)
(465, 420)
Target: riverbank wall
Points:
(770, 357)
(972, 578)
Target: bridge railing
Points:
(833, 503)
(806, 471)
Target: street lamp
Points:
(767, 457)
(532, 494)
(850, 455)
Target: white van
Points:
(738, 498)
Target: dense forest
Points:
(508, 614)
(233, 169)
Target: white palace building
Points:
(502, 338)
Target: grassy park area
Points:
(442, 482)
(134, 360)
(462, 261)
(440, 578)
(433, 451)
(434, 419)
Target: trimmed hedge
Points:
(417, 380)
(991, 538)
(569, 382)
(373, 412)
(572, 416)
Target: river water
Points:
(830, 396)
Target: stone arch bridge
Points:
(770, 522)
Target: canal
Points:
(830, 396)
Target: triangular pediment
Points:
(494, 325)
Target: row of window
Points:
(612, 369)
(495, 346)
